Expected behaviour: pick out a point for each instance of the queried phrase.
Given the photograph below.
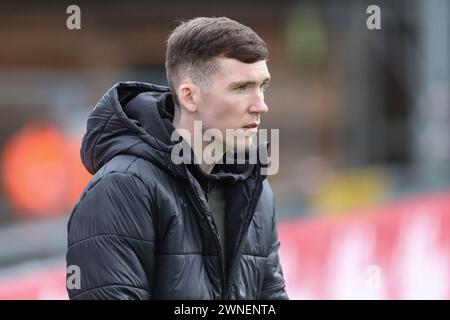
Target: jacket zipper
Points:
(240, 242)
(226, 287)
(216, 238)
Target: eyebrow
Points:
(247, 82)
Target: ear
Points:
(188, 95)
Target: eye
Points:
(264, 87)
(242, 88)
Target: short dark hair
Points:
(193, 45)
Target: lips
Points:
(252, 125)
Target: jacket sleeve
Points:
(274, 286)
(111, 241)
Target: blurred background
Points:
(363, 189)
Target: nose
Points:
(258, 105)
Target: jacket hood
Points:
(135, 118)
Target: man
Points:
(147, 227)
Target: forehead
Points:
(231, 70)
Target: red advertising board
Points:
(396, 251)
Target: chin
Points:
(244, 144)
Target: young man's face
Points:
(235, 100)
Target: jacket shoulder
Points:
(267, 199)
(116, 201)
(130, 165)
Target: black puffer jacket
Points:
(142, 228)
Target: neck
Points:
(188, 126)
